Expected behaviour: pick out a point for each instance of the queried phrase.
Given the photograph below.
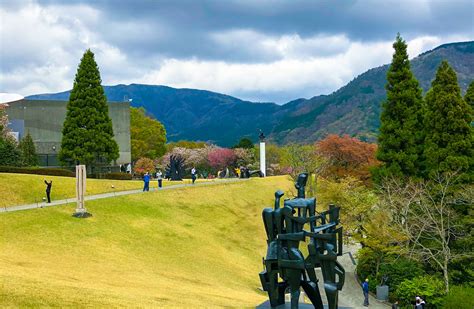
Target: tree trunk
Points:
(445, 275)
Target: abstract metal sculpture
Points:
(284, 227)
(175, 168)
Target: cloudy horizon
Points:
(263, 51)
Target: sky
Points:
(258, 50)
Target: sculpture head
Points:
(301, 184)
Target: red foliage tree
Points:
(144, 165)
(347, 156)
(221, 158)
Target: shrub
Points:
(113, 176)
(375, 265)
(459, 297)
(367, 260)
(37, 171)
(430, 288)
(144, 165)
(398, 270)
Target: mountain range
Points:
(221, 119)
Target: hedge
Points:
(113, 176)
(37, 171)
(61, 172)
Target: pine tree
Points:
(401, 135)
(469, 96)
(449, 137)
(28, 151)
(88, 136)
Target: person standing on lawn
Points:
(48, 189)
(159, 176)
(193, 174)
(146, 182)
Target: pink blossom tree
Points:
(221, 158)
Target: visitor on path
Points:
(146, 182)
(365, 289)
(395, 305)
(48, 189)
(193, 174)
(419, 303)
(159, 176)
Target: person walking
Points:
(193, 174)
(159, 176)
(395, 305)
(48, 189)
(146, 182)
(365, 289)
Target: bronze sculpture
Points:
(175, 169)
(284, 228)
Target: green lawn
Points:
(19, 189)
(189, 247)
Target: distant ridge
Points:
(354, 109)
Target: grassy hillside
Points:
(191, 247)
(18, 189)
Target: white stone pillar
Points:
(80, 188)
(263, 166)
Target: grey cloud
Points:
(184, 29)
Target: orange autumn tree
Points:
(347, 156)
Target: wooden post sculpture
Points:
(284, 228)
(81, 176)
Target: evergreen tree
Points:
(88, 136)
(9, 153)
(28, 151)
(401, 135)
(469, 96)
(449, 137)
(244, 143)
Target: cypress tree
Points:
(88, 136)
(401, 134)
(28, 151)
(449, 137)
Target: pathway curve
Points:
(351, 295)
(112, 194)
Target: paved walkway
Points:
(112, 194)
(351, 295)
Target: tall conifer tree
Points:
(401, 135)
(88, 136)
(449, 137)
(469, 96)
(28, 151)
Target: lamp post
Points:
(263, 167)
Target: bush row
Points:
(113, 176)
(37, 171)
(61, 172)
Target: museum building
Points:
(44, 119)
